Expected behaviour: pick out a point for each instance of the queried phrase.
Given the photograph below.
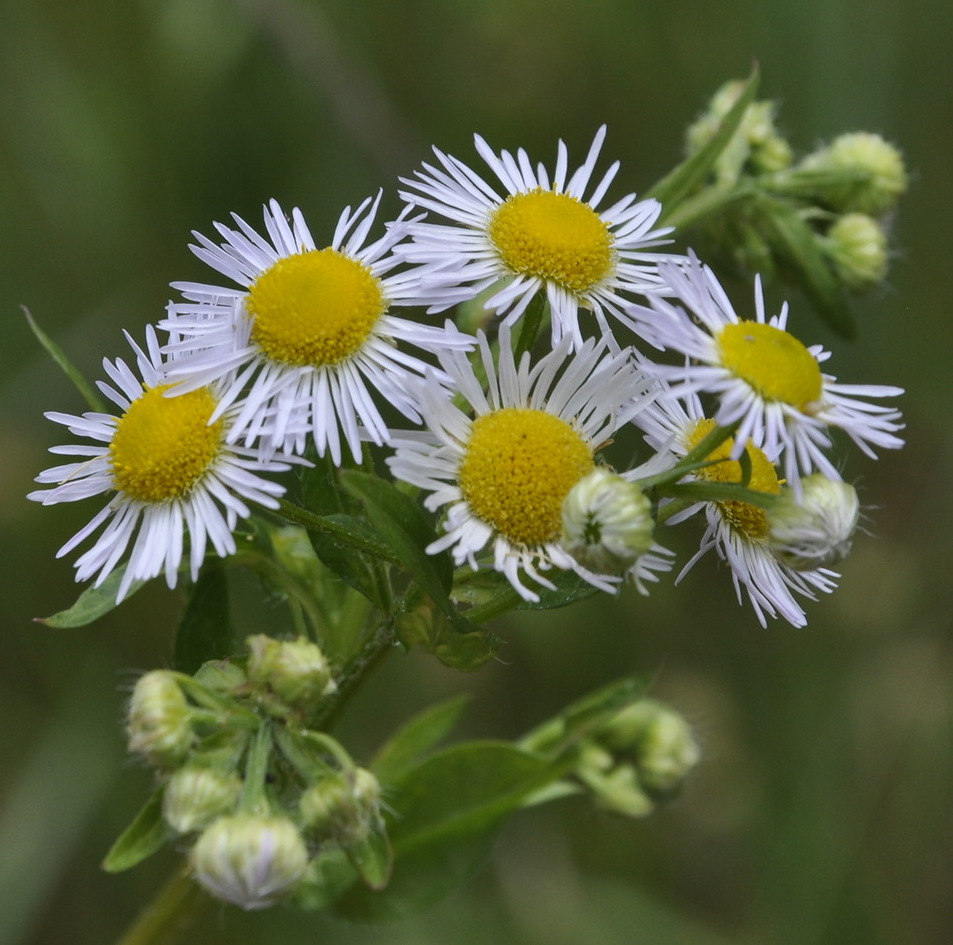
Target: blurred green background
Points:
(823, 811)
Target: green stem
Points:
(253, 799)
(710, 201)
(168, 916)
(354, 675)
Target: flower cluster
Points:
(303, 353)
(261, 798)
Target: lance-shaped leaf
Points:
(405, 747)
(88, 392)
(441, 821)
(687, 176)
(343, 532)
(205, 631)
(92, 603)
(798, 250)
(147, 834)
(372, 856)
(404, 526)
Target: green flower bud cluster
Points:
(639, 759)
(757, 147)
(762, 211)
(262, 797)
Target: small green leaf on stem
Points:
(147, 834)
(92, 603)
(86, 390)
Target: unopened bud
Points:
(342, 806)
(615, 787)
(756, 142)
(883, 174)
(296, 671)
(659, 741)
(815, 530)
(159, 719)
(857, 245)
(249, 860)
(195, 796)
(607, 522)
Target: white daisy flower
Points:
(738, 532)
(503, 474)
(765, 378)
(309, 332)
(539, 233)
(168, 468)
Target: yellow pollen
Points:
(553, 236)
(773, 362)
(519, 465)
(748, 519)
(164, 445)
(314, 308)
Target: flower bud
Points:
(816, 530)
(756, 142)
(615, 787)
(222, 676)
(159, 719)
(857, 245)
(659, 740)
(607, 522)
(250, 860)
(880, 164)
(195, 796)
(342, 806)
(296, 671)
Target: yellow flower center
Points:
(748, 519)
(164, 445)
(314, 308)
(519, 465)
(553, 236)
(773, 362)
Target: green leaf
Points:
(570, 587)
(685, 177)
(320, 492)
(404, 527)
(372, 856)
(205, 632)
(797, 248)
(408, 531)
(147, 834)
(497, 596)
(92, 603)
(87, 391)
(404, 748)
(442, 817)
(330, 875)
(436, 627)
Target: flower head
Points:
(816, 529)
(765, 378)
(881, 176)
(250, 860)
(539, 233)
(169, 468)
(309, 332)
(504, 473)
(608, 527)
(738, 531)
